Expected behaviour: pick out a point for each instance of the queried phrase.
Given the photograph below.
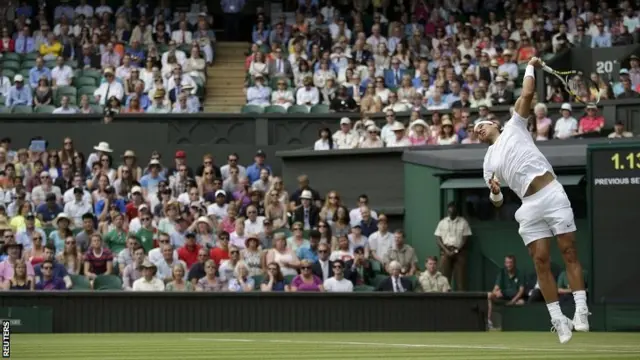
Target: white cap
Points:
(566, 106)
(154, 162)
(44, 173)
(345, 120)
(306, 194)
(136, 189)
(397, 127)
(499, 79)
(221, 192)
(18, 77)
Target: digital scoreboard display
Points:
(614, 183)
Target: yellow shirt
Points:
(18, 222)
(53, 49)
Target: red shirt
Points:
(589, 124)
(131, 210)
(217, 254)
(190, 257)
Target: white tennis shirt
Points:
(514, 158)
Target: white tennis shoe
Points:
(562, 327)
(581, 319)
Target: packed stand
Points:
(93, 59)
(74, 220)
(446, 60)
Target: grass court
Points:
(317, 346)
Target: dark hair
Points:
(431, 258)
(511, 256)
(88, 216)
(137, 247)
(339, 262)
(51, 247)
(46, 262)
(330, 139)
(346, 211)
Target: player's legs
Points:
(537, 234)
(567, 245)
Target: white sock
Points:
(580, 297)
(555, 311)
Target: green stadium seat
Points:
(376, 266)
(298, 109)
(252, 109)
(162, 48)
(186, 48)
(288, 279)
(107, 282)
(44, 109)
(28, 64)
(275, 109)
(2, 100)
(66, 90)
(378, 279)
(86, 90)
(320, 109)
(31, 56)
(96, 74)
(22, 109)
(199, 87)
(257, 279)
(84, 81)
(363, 288)
(4, 109)
(50, 64)
(522, 67)
(98, 109)
(25, 74)
(80, 283)
(9, 73)
(11, 64)
(11, 57)
(414, 281)
(72, 64)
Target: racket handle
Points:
(546, 68)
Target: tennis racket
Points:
(579, 86)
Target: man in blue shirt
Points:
(18, 93)
(149, 182)
(38, 72)
(253, 171)
(310, 253)
(58, 270)
(103, 206)
(603, 39)
(48, 281)
(49, 210)
(25, 43)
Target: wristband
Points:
(495, 197)
(530, 71)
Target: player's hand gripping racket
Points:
(577, 84)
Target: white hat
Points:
(419, 122)
(446, 122)
(494, 62)
(368, 123)
(306, 194)
(103, 146)
(566, 106)
(221, 192)
(60, 217)
(154, 162)
(592, 106)
(507, 52)
(373, 127)
(345, 120)
(204, 219)
(499, 79)
(18, 77)
(397, 127)
(44, 173)
(136, 189)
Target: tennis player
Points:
(513, 159)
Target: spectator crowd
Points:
(82, 58)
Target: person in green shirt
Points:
(116, 239)
(147, 233)
(509, 286)
(565, 294)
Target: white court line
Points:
(433, 346)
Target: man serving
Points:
(514, 159)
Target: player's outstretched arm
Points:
(523, 104)
(496, 194)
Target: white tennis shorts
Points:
(545, 214)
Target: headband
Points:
(481, 122)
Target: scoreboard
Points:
(613, 172)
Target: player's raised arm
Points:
(523, 104)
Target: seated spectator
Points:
(64, 107)
(210, 283)
(432, 280)
(307, 94)
(283, 255)
(133, 270)
(566, 126)
(242, 282)
(182, 35)
(329, 92)
(282, 96)
(19, 94)
(306, 281)
(404, 254)
(178, 283)
(338, 283)
(49, 279)
(418, 133)
(619, 131)
(472, 137)
(399, 139)
(61, 74)
(258, 66)
(592, 122)
(195, 65)
(343, 102)
(98, 260)
(25, 42)
(259, 94)
(543, 122)
(109, 88)
(158, 105)
(628, 91)
(395, 282)
(509, 285)
(301, 73)
(343, 251)
(148, 281)
(359, 269)
(372, 139)
(15, 274)
(447, 136)
(43, 92)
(395, 105)
(274, 281)
(51, 48)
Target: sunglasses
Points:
(208, 173)
(273, 269)
(47, 268)
(322, 226)
(234, 252)
(305, 267)
(163, 241)
(297, 229)
(322, 251)
(37, 238)
(337, 267)
(210, 267)
(145, 219)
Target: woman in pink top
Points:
(306, 281)
(543, 123)
(418, 133)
